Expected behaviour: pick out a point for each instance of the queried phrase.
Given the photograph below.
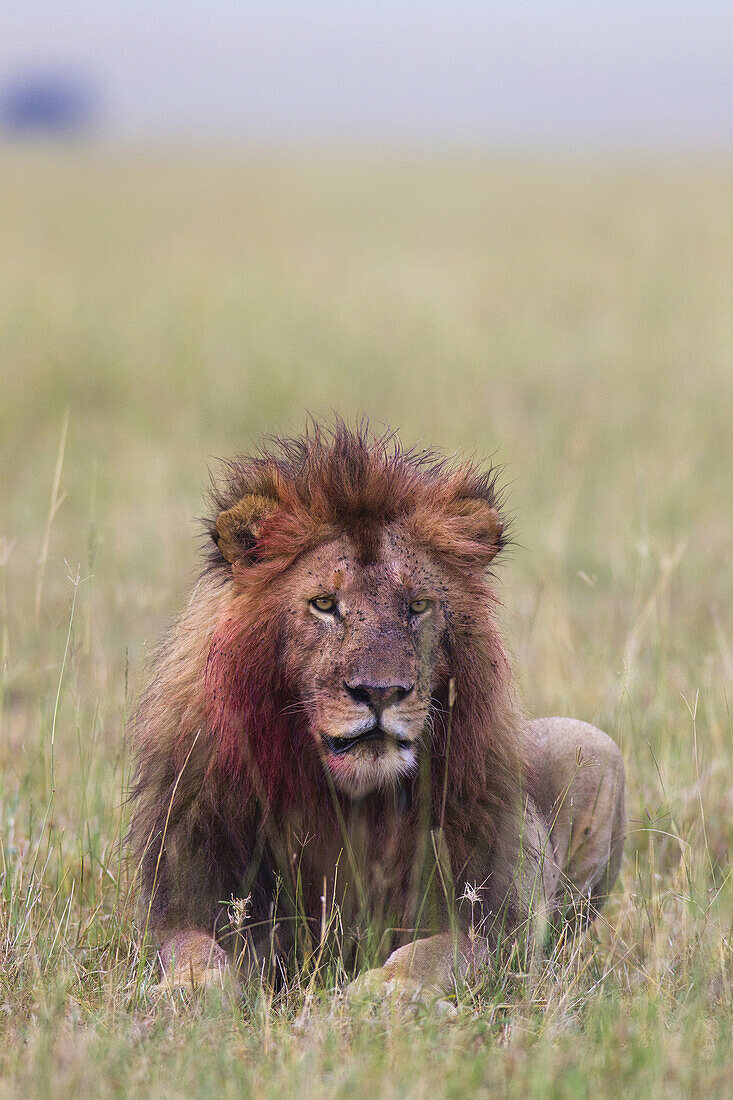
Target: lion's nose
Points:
(378, 696)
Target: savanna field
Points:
(572, 321)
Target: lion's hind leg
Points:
(581, 792)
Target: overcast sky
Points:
(585, 72)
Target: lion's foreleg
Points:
(185, 884)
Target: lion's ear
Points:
(468, 530)
(238, 529)
(479, 522)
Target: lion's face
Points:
(363, 645)
(362, 569)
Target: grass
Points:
(572, 320)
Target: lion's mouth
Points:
(339, 746)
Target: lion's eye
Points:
(325, 604)
(419, 607)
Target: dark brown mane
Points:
(346, 479)
(224, 747)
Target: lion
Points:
(331, 743)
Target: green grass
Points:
(572, 320)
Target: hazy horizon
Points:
(590, 74)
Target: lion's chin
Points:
(367, 766)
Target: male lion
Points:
(331, 733)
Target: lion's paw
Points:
(205, 978)
(404, 993)
(192, 963)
